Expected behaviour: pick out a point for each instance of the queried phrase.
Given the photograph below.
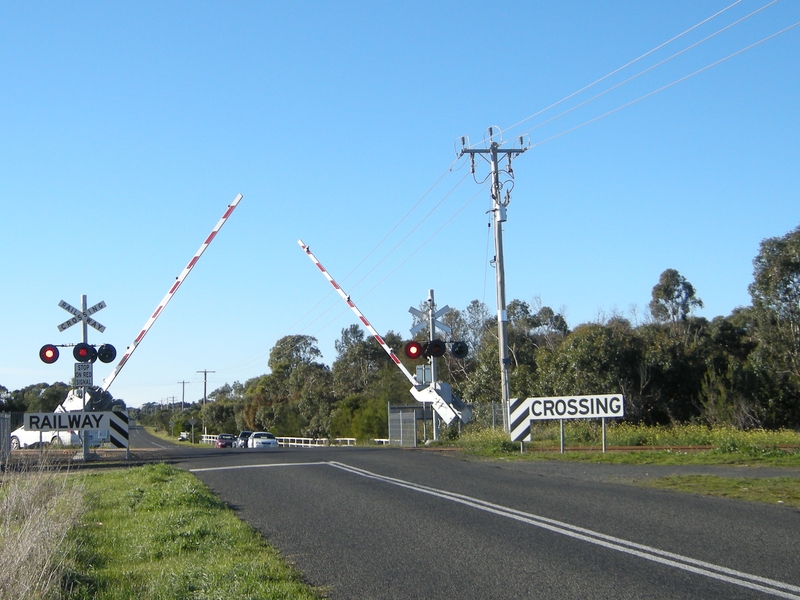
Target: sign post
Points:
(83, 371)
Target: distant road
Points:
(140, 439)
(398, 524)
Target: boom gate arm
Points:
(422, 393)
(173, 288)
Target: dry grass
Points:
(38, 507)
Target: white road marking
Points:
(685, 563)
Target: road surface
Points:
(390, 523)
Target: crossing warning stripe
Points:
(118, 435)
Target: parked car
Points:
(225, 440)
(262, 439)
(241, 441)
(22, 438)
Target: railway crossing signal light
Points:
(106, 353)
(48, 354)
(84, 353)
(414, 350)
(435, 348)
(459, 350)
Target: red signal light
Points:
(413, 350)
(84, 353)
(48, 354)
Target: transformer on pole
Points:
(499, 210)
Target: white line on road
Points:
(685, 563)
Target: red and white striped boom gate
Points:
(422, 393)
(173, 288)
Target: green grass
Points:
(728, 447)
(777, 490)
(156, 532)
(643, 445)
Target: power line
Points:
(647, 70)
(669, 85)
(626, 65)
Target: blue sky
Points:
(127, 128)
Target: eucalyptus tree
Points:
(673, 298)
(775, 292)
(358, 362)
(596, 358)
(295, 395)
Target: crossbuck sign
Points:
(80, 316)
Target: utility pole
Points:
(183, 394)
(205, 373)
(499, 209)
(205, 382)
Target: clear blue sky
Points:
(127, 128)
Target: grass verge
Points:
(725, 446)
(776, 490)
(728, 447)
(156, 532)
(37, 510)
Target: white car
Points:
(262, 439)
(22, 438)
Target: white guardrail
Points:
(295, 442)
(299, 442)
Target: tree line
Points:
(674, 367)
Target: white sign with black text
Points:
(589, 406)
(84, 375)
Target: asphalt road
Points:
(390, 523)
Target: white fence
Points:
(300, 442)
(296, 442)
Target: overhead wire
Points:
(683, 51)
(648, 69)
(410, 256)
(565, 132)
(664, 87)
(625, 66)
(425, 218)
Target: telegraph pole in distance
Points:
(205, 373)
(183, 393)
(494, 151)
(205, 381)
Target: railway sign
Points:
(79, 316)
(113, 422)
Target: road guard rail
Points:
(296, 442)
(300, 442)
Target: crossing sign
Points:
(423, 319)
(80, 316)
